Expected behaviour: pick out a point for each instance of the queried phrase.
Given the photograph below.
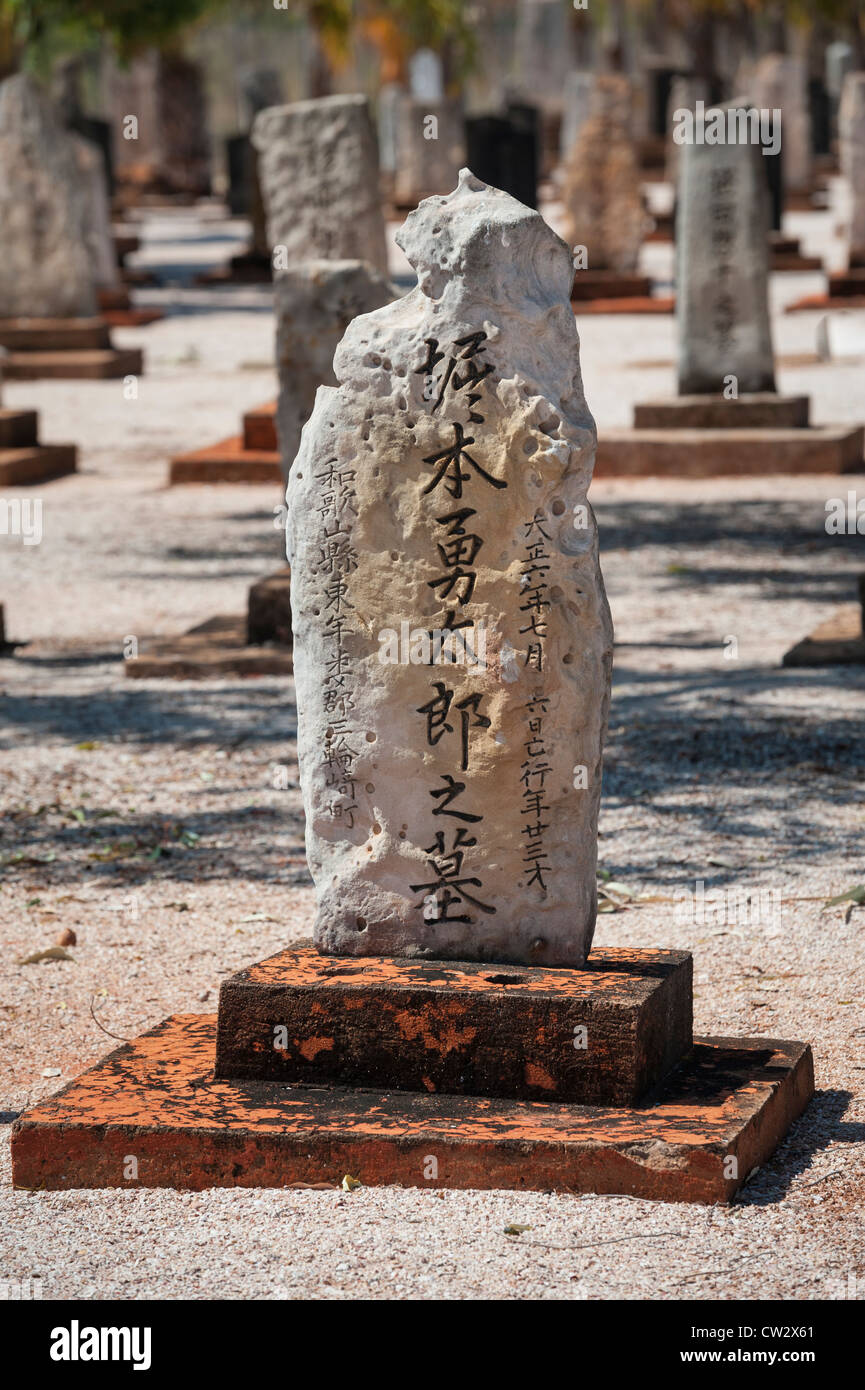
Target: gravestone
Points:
(578, 95)
(685, 91)
(45, 268)
(426, 80)
(506, 151)
(315, 302)
(318, 166)
(429, 148)
(452, 636)
(780, 81)
(851, 130)
(603, 207)
(723, 271)
(97, 221)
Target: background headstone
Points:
(45, 266)
(722, 265)
(781, 81)
(425, 163)
(318, 167)
(601, 191)
(506, 151)
(314, 303)
(451, 807)
(851, 130)
(97, 214)
(577, 108)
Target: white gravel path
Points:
(160, 838)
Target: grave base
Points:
(68, 349)
(691, 453)
(717, 1118)
(23, 460)
(216, 648)
(756, 410)
(840, 641)
(250, 457)
(643, 304)
(461, 1027)
(614, 292)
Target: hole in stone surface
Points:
(556, 593)
(402, 834)
(370, 786)
(298, 475)
(370, 738)
(529, 447)
(549, 426)
(394, 555)
(376, 828)
(375, 360)
(558, 507)
(360, 923)
(568, 658)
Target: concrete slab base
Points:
(155, 1101)
(215, 648)
(755, 410)
(602, 1035)
(690, 453)
(97, 364)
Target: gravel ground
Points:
(151, 819)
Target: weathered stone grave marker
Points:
(48, 302)
(451, 791)
(728, 417)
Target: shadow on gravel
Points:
(164, 712)
(770, 534)
(822, 1124)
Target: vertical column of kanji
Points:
(454, 374)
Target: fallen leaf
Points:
(66, 938)
(88, 745)
(349, 1184)
(52, 953)
(52, 1071)
(515, 1229)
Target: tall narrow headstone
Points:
(602, 184)
(452, 636)
(318, 166)
(722, 257)
(45, 267)
(851, 130)
(780, 82)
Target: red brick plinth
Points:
(155, 1100)
(250, 457)
(602, 1035)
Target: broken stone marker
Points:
(315, 302)
(722, 299)
(318, 166)
(452, 635)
